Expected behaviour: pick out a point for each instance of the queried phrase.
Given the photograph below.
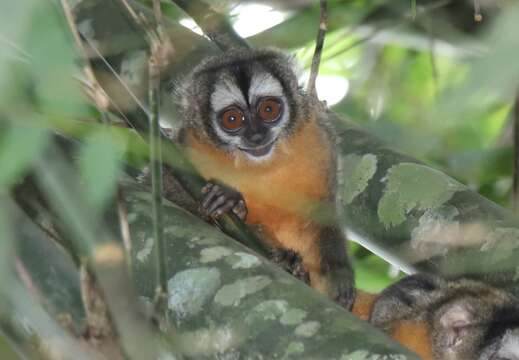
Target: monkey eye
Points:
(269, 109)
(232, 119)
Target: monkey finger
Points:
(216, 204)
(211, 195)
(240, 210)
(225, 208)
(300, 272)
(207, 187)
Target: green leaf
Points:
(100, 166)
(19, 146)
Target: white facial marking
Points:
(510, 346)
(226, 93)
(264, 84)
(262, 158)
(232, 140)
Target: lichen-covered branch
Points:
(223, 300)
(420, 218)
(226, 301)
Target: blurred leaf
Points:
(52, 64)
(5, 245)
(372, 274)
(494, 76)
(19, 146)
(100, 166)
(39, 67)
(6, 353)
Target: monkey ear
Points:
(457, 315)
(457, 319)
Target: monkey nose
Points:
(257, 139)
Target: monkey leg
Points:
(327, 263)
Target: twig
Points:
(432, 55)
(406, 18)
(26, 278)
(156, 177)
(157, 12)
(116, 75)
(124, 228)
(356, 43)
(319, 44)
(515, 186)
(141, 20)
(478, 17)
(98, 318)
(160, 48)
(413, 9)
(214, 24)
(160, 53)
(91, 90)
(95, 91)
(97, 94)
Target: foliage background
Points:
(435, 84)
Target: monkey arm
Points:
(334, 266)
(412, 334)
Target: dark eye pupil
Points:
(232, 118)
(268, 109)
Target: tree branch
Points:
(155, 63)
(319, 44)
(515, 186)
(214, 24)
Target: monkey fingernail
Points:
(207, 187)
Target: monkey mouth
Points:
(260, 150)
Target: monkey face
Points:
(253, 130)
(249, 111)
(469, 328)
(251, 125)
(245, 101)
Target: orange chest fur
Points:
(281, 191)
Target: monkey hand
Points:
(290, 261)
(405, 299)
(342, 286)
(219, 199)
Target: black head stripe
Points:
(503, 319)
(240, 65)
(239, 69)
(241, 72)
